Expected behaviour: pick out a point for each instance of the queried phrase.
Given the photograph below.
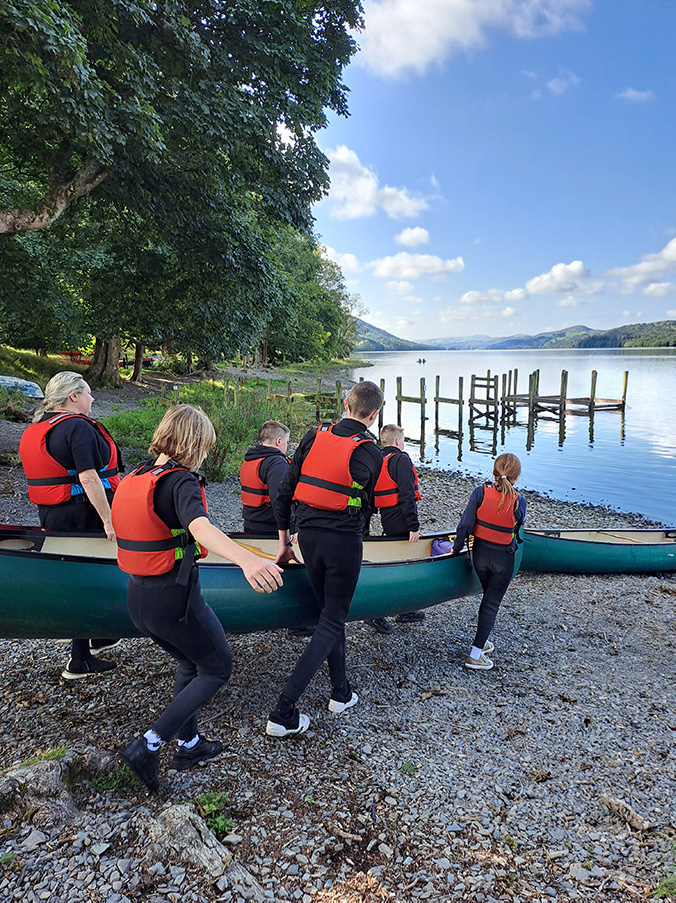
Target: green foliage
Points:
(638, 335)
(7, 859)
(34, 367)
(237, 425)
(120, 781)
(46, 755)
(408, 768)
(212, 806)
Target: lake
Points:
(626, 461)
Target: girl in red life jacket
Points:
(72, 468)
(493, 515)
(161, 522)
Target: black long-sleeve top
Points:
(401, 519)
(365, 465)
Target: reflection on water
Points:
(626, 460)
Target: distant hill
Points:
(370, 338)
(561, 338)
(637, 335)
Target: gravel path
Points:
(441, 785)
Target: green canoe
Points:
(599, 551)
(62, 586)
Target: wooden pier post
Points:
(399, 394)
(592, 393)
(564, 392)
(624, 389)
(436, 403)
(460, 404)
(338, 399)
(423, 403)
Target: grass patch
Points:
(121, 780)
(46, 755)
(34, 367)
(212, 806)
(237, 425)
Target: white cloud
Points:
(414, 300)
(569, 301)
(660, 289)
(411, 266)
(516, 294)
(412, 237)
(412, 35)
(355, 191)
(563, 277)
(457, 314)
(671, 314)
(509, 312)
(562, 82)
(400, 286)
(635, 96)
(492, 296)
(347, 262)
(650, 269)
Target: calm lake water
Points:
(625, 461)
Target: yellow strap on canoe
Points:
(255, 550)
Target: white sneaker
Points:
(488, 647)
(479, 664)
(337, 707)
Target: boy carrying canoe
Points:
(332, 477)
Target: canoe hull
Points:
(603, 552)
(64, 595)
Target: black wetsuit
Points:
(331, 543)
(178, 619)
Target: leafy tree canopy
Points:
(138, 99)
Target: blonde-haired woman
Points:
(493, 515)
(72, 467)
(162, 527)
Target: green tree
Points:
(315, 319)
(199, 118)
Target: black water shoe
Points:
(204, 749)
(410, 617)
(87, 668)
(143, 763)
(382, 625)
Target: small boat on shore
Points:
(599, 551)
(61, 585)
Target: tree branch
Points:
(17, 219)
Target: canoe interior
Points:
(600, 551)
(63, 586)
(627, 537)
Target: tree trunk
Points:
(188, 362)
(138, 362)
(105, 366)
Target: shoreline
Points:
(441, 785)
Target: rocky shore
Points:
(550, 778)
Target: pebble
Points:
(509, 765)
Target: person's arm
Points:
(467, 520)
(262, 575)
(93, 488)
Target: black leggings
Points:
(494, 566)
(333, 562)
(158, 607)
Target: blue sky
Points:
(509, 166)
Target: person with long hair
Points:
(494, 513)
(72, 467)
(162, 526)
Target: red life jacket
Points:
(255, 492)
(491, 524)
(145, 544)
(325, 480)
(50, 483)
(386, 493)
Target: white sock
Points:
(475, 653)
(188, 744)
(153, 740)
